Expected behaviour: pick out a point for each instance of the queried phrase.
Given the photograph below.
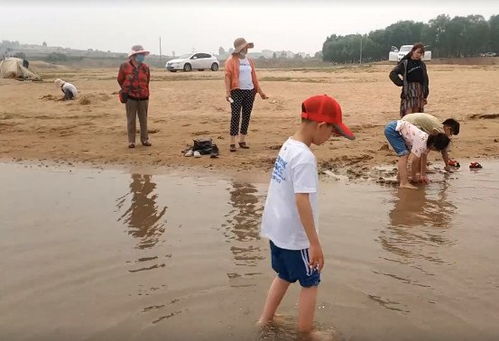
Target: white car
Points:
(396, 55)
(195, 61)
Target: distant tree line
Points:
(445, 37)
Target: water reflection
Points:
(283, 328)
(418, 223)
(419, 208)
(144, 218)
(243, 227)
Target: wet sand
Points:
(90, 254)
(184, 106)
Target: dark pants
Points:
(243, 103)
(68, 95)
(136, 108)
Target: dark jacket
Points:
(401, 69)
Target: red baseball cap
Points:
(322, 108)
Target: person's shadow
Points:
(145, 220)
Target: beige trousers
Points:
(136, 108)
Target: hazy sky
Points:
(206, 25)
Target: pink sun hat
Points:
(137, 49)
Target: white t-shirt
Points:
(245, 79)
(295, 171)
(414, 138)
(70, 87)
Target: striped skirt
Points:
(413, 100)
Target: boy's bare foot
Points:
(408, 186)
(277, 319)
(316, 335)
(262, 324)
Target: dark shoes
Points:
(233, 148)
(131, 145)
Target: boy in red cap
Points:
(290, 217)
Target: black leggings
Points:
(243, 102)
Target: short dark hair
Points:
(438, 141)
(453, 124)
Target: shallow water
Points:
(90, 254)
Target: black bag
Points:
(123, 96)
(203, 146)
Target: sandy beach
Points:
(148, 251)
(36, 126)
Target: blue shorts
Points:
(292, 266)
(395, 139)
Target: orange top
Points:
(232, 71)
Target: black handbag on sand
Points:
(203, 146)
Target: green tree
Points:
(446, 37)
(56, 57)
(477, 35)
(342, 49)
(21, 55)
(403, 33)
(438, 36)
(494, 33)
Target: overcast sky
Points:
(299, 26)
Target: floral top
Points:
(134, 80)
(414, 138)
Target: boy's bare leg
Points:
(402, 168)
(306, 309)
(274, 298)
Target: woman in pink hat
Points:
(241, 86)
(133, 78)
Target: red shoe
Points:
(454, 163)
(475, 165)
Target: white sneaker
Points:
(197, 154)
(189, 153)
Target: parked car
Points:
(488, 54)
(196, 61)
(396, 54)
